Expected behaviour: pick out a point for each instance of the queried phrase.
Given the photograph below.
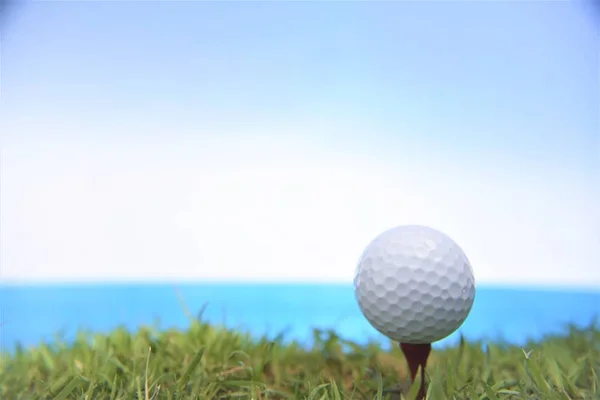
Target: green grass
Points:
(207, 362)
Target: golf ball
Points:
(414, 284)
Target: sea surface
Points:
(35, 313)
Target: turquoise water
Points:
(30, 314)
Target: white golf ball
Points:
(414, 284)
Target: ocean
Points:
(34, 313)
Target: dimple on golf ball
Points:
(414, 284)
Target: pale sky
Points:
(272, 141)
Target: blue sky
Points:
(273, 140)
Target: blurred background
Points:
(239, 156)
